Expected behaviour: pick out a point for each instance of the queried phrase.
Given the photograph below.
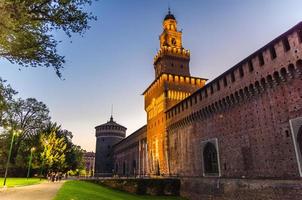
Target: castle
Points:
(240, 134)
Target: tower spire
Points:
(111, 117)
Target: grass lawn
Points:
(80, 190)
(12, 182)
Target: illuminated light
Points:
(181, 79)
(187, 80)
(176, 78)
(192, 80)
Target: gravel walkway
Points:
(43, 191)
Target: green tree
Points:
(6, 99)
(29, 115)
(27, 28)
(53, 154)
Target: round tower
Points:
(107, 135)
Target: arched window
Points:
(210, 159)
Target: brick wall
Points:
(249, 117)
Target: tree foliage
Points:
(29, 115)
(6, 98)
(27, 29)
(53, 154)
(54, 146)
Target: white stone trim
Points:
(295, 125)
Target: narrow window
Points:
(212, 90)
(210, 159)
(232, 76)
(241, 71)
(116, 168)
(261, 59)
(124, 168)
(206, 92)
(251, 67)
(272, 52)
(286, 45)
(225, 83)
(218, 86)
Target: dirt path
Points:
(43, 191)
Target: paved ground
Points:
(43, 191)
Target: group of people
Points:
(55, 176)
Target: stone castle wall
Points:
(251, 114)
(247, 113)
(130, 154)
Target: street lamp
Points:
(15, 133)
(30, 159)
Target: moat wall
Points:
(235, 189)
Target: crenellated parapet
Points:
(172, 51)
(275, 64)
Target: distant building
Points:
(89, 161)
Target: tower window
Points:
(181, 66)
(286, 45)
(173, 41)
(251, 67)
(261, 59)
(272, 52)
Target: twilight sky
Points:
(112, 63)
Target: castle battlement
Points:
(172, 51)
(276, 62)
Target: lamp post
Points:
(30, 159)
(15, 133)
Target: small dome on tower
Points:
(169, 16)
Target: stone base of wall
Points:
(243, 189)
(160, 186)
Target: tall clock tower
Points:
(172, 57)
(172, 84)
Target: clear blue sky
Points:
(112, 63)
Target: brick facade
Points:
(237, 137)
